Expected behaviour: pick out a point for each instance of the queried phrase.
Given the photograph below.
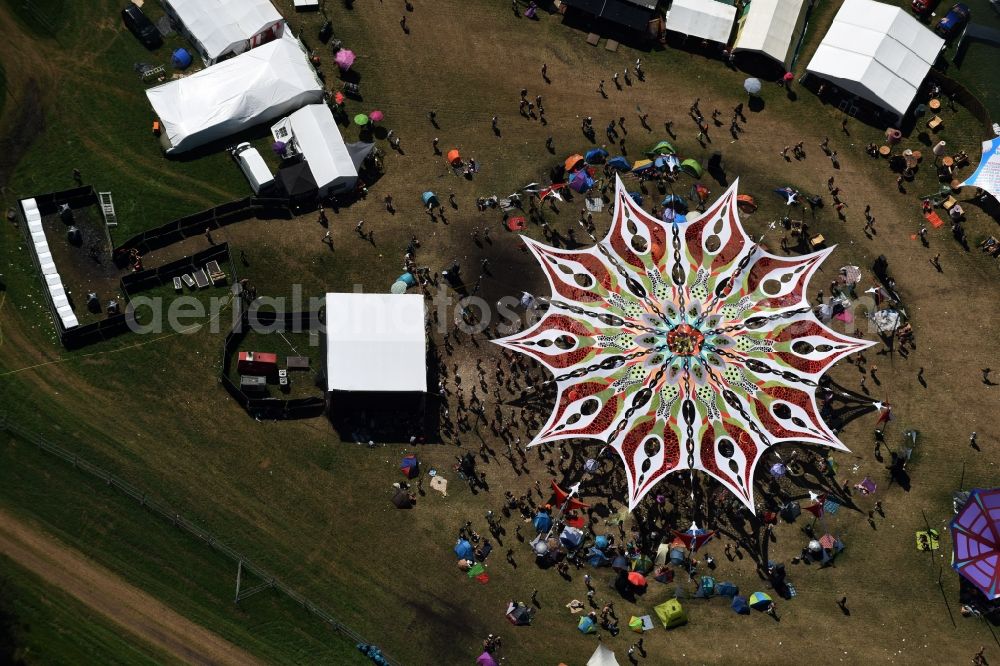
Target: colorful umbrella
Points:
(637, 579)
(345, 58)
(376, 116)
(361, 120)
(338, 97)
(759, 600)
(573, 161)
(752, 86)
(975, 532)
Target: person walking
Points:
(936, 262)
(545, 71)
(600, 89)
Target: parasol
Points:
(637, 579)
(752, 86)
(975, 531)
(760, 600)
(338, 97)
(345, 58)
(376, 116)
(361, 120)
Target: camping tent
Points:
(542, 522)
(573, 162)
(571, 536)
(518, 614)
(619, 163)
(671, 613)
(234, 95)
(486, 659)
(691, 167)
(375, 342)
(773, 27)
(987, 174)
(464, 551)
(878, 52)
(312, 132)
(706, 20)
(603, 656)
(740, 605)
(634, 14)
(409, 466)
(586, 625)
(223, 28)
(662, 148)
(595, 156)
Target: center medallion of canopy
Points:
(682, 346)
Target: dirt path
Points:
(112, 597)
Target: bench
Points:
(178, 285)
(188, 280)
(297, 362)
(215, 274)
(200, 278)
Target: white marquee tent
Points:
(877, 52)
(987, 174)
(773, 27)
(235, 94)
(376, 342)
(221, 28)
(603, 656)
(313, 132)
(704, 19)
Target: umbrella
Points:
(376, 116)
(581, 181)
(486, 659)
(454, 157)
(361, 120)
(746, 203)
(345, 58)
(619, 163)
(642, 165)
(541, 548)
(572, 162)
(788, 77)
(595, 156)
(975, 532)
(429, 199)
(642, 564)
(815, 546)
(752, 86)
(279, 147)
(338, 97)
(601, 541)
(777, 470)
(759, 600)
(637, 579)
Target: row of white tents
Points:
(876, 51)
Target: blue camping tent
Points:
(620, 563)
(740, 605)
(429, 199)
(601, 541)
(677, 203)
(676, 556)
(597, 558)
(180, 59)
(581, 181)
(620, 163)
(542, 522)
(707, 586)
(464, 551)
(571, 537)
(586, 625)
(727, 589)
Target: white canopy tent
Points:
(312, 132)
(223, 28)
(603, 656)
(878, 52)
(773, 27)
(987, 174)
(376, 342)
(704, 19)
(238, 93)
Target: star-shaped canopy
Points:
(682, 346)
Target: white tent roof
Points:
(223, 26)
(772, 27)
(375, 342)
(254, 87)
(706, 19)
(603, 656)
(314, 133)
(877, 52)
(987, 174)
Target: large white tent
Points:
(773, 27)
(603, 656)
(987, 174)
(376, 342)
(222, 28)
(705, 19)
(878, 52)
(235, 94)
(312, 132)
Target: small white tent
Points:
(376, 342)
(312, 132)
(773, 27)
(222, 28)
(236, 94)
(705, 19)
(603, 656)
(878, 52)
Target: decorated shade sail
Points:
(976, 534)
(683, 346)
(987, 174)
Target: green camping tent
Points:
(671, 613)
(662, 148)
(692, 167)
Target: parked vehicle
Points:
(140, 26)
(923, 8)
(953, 22)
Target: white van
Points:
(254, 167)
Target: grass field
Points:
(42, 625)
(316, 510)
